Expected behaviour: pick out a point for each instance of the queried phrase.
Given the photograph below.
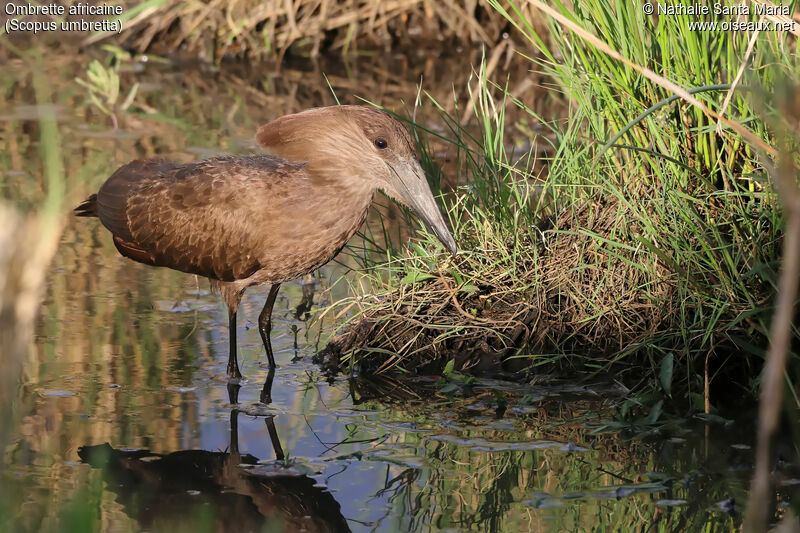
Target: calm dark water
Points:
(124, 422)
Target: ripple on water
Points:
(484, 445)
(55, 393)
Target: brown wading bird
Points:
(265, 219)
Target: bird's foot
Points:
(235, 377)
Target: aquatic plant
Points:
(103, 85)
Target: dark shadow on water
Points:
(384, 389)
(222, 491)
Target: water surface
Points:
(124, 421)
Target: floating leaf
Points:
(449, 388)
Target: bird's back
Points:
(225, 218)
(194, 217)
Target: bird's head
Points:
(358, 143)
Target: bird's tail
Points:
(88, 207)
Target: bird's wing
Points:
(203, 218)
(112, 198)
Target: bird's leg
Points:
(234, 447)
(233, 393)
(273, 436)
(233, 364)
(266, 391)
(265, 322)
(234, 458)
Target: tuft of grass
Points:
(663, 244)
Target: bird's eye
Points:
(381, 143)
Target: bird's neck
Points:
(347, 197)
(344, 177)
(341, 185)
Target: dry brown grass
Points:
(629, 302)
(256, 29)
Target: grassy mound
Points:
(652, 241)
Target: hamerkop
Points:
(265, 219)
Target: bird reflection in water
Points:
(220, 489)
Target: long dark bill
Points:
(416, 194)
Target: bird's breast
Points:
(310, 235)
